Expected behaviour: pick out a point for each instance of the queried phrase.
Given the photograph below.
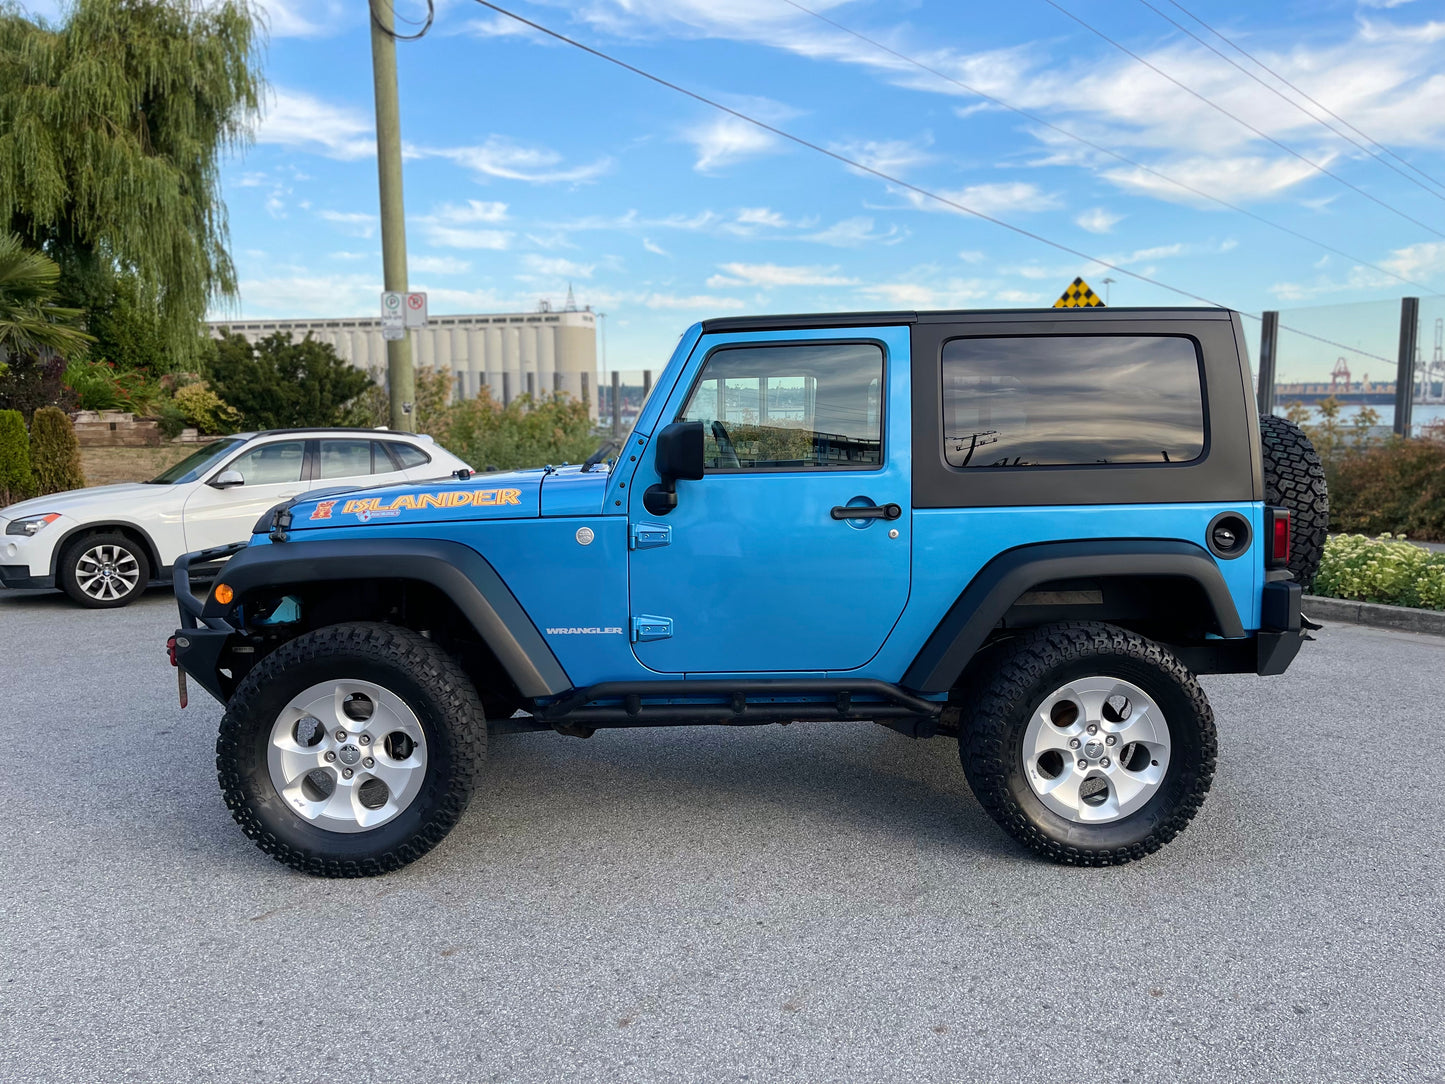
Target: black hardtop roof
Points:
(942, 316)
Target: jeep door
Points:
(791, 554)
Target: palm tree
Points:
(30, 322)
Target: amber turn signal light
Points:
(224, 594)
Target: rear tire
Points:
(103, 571)
(337, 711)
(1026, 732)
(1294, 478)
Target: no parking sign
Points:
(416, 310)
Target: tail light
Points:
(1278, 537)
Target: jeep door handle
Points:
(885, 511)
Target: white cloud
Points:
(654, 248)
(471, 212)
(443, 236)
(304, 18)
(855, 232)
(725, 140)
(1098, 220)
(694, 303)
(307, 294)
(301, 121)
(555, 267)
(761, 216)
(771, 274)
(503, 158)
(438, 265)
(927, 291)
(1424, 33)
(354, 223)
(1415, 261)
(891, 156)
(988, 199)
(1228, 178)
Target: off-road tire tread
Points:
(987, 753)
(428, 665)
(1294, 478)
(65, 569)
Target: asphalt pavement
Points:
(817, 902)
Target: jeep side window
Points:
(1072, 400)
(813, 406)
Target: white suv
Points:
(103, 545)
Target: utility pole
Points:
(400, 377)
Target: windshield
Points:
(197, 463)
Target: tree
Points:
(54, 452)
(112, 125)
(280, 384)
(35, 333)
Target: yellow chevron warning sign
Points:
(1079, 296)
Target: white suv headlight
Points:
(31, 524)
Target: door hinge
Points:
(646, 536)
(648, 627)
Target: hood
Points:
(117, 498)
(510, 495)
(567, 491)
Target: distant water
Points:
(1421, 414)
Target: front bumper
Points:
(199, 642)
(27, 561)
(18, 577)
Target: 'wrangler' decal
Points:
(456, 498)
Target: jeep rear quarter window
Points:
(1071, 400)
(790, 407)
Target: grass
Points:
(106, 466)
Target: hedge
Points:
(54, 452)
(1398, 488)
(16, 480)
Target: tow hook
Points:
(180, 674)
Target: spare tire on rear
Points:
(1294, 478)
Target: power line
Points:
(389, 32)
(862, 168)
(1288, 100)
(1237, 119)
(1102, 149)
(1313, 101)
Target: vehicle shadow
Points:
(850, 776)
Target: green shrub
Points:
(205, 410)
(1398, 487)
(522, 434)
(1386, 569)
(16, 480)
(99, 385)
(54, 452)
(171, 419)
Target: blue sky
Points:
(531, 165)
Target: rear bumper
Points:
(1280, 631)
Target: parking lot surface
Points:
(817, 902)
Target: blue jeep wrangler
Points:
(1025, 529)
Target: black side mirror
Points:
(679, 458)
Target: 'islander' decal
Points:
(370, 507)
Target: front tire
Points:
(103, 571)
(352, 750)
(1089, 744)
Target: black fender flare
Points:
(999, 583)
(457, 570)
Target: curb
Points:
(1375, 615)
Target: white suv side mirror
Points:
(226, 479)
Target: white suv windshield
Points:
(196, 464)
